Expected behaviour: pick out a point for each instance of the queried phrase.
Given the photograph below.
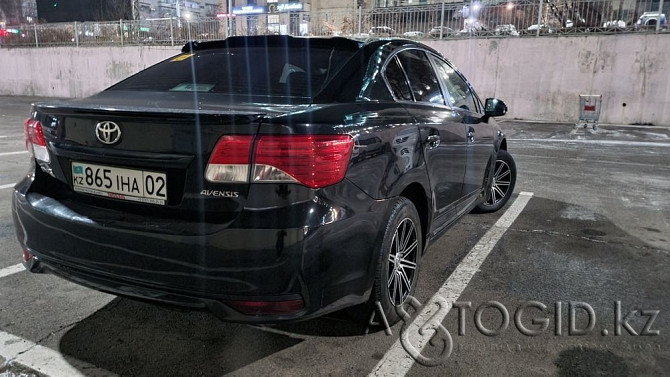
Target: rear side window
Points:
(397, 81)
(422, 78)
(248, 72)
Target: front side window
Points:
(459, 93)
(422, 78)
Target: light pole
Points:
(442, 21)
(187, 17)
(178, 9)
(510, 12)
(136, 9)
(229, 20)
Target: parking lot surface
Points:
(575, 284)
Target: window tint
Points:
(246, 72)
(458, 91)
(421, 77)
(397, 81)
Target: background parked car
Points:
(615, 24)
(435, 32)
(413, 34)
(506, 30)
(578, 22)
(472, 30)
(381, 31)
(543, 28)
(650, 19)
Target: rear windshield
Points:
(244, 72)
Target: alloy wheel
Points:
(402, 262)
(502, 180)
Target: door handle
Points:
(471, 135)
(433, 141)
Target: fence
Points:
(446, 20)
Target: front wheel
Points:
(502, 185)
(399, 257)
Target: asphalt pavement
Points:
(574, 281)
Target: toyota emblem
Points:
(107, 132)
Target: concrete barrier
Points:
(73, 71)
(539, 78)
(542, 78)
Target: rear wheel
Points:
(502, 185)
(399, 257)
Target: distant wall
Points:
(539, 78)
(73, 71)
(542, 78)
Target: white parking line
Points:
(532, 158)
(11, 270)
(45, 360)
(2, 187)
(397, 361)
(12, 153)
(624, 143)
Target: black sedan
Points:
(265, 179)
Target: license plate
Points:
(119, 183)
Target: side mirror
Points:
(494, 107)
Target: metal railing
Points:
(442, 20)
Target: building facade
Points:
(193, 9)
(16, 12)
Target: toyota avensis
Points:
(265, 179)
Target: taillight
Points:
(27, 256)
(312, 160)
(230, 159)
(35, 142)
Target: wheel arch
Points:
(503, 144)
(416, 194)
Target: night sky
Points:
(83, 10)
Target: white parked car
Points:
(413, 34)
(382, 31)
(435, 31)
(650, 19)
(578, 22)
(615, 24)
(543, 28)
(506, 30)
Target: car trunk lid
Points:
(148, 151)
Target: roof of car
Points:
(367, 46)
(287, 40)
(273, 40)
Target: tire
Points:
(396, 278)
(502, 184)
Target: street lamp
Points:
(187, 16)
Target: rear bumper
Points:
(208, 266)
